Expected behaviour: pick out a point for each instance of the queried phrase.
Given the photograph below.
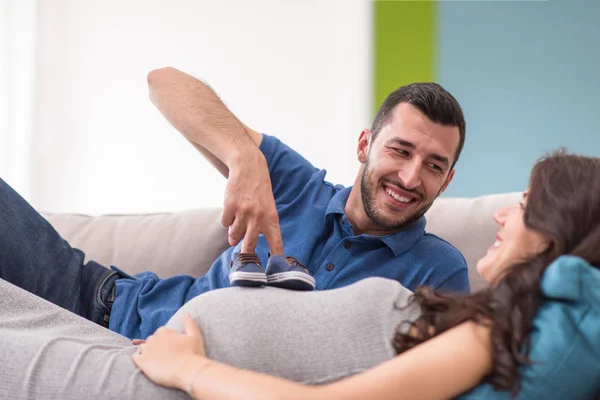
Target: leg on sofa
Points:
(47, 352)
(34, 257)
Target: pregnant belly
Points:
(310, 337)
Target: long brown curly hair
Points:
(564, 205)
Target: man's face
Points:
(406, 167)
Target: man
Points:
(342, 235)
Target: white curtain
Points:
(79, 133)
(17, 90)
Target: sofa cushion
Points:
(467, 223)
(565, 343)
(167, 244)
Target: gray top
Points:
(310, 337)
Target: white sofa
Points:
(188, 242)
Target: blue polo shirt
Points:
(316, 231)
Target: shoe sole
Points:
(291, 280)
(247, 279)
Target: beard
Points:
(368, 191)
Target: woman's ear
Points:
(364, 140)
(545, 244)
(541, 243)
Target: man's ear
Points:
(448, 180)
(364, 141)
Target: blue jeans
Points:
(36, 258)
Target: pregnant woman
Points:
(535, 331)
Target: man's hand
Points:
(249, 204)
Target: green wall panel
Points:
(404, 45)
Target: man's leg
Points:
(34, 257)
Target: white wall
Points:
(296, 69)
(18, 26)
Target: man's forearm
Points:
(196, 111)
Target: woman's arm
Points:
(441, 368)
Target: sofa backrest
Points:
(467, 223)
(189, 242)
(167, 244)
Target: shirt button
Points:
(347, 245)
(342, 220)
(330, 267)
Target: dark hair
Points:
(564, 205)
(432, 100)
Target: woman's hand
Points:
(172, 359)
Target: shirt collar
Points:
(398, 242)
(338, 202)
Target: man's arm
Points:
(458, 282)
(195, 110)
